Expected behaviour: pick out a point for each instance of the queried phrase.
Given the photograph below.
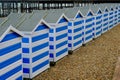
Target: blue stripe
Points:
(78, 23)
(69, 45)
(10, 73)
(61, 28)
(105, 24)
(111, 13)
(10, 36)
(20, 78)
(89, 20)
(26, 60)
(77, 36)
(61, 44)
(51, 55)
(99, 32)
(78, 29)
(51, 46)
(105, 29)
(41, 27)
(99, 22)
(88, 26)
(40, 56)
(105, 15)
(98, 17)
(98, 27)
(9, 49)
(69, 31)
(25, 40)
(62, 20)
(40, 37)
(105, 19)
(61, 36)
(79, 16)
(10, 61)
(89, 37)
(69, 23)
(40, 66)
(89, 14)
(61, 52)
(41, 46)
(26, 70)
(69, 38)
(51, 31)
(25, 50)
(77, 43)
(89, 31)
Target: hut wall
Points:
(11, 57)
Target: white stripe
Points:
(62, 24)
(10, 55)
(26, 55)
(40, 32)
(40, 61)
(51, 42)
(26, 65)
(40, 42)
(61, 32)
(62, 40)
(39, 71)
(25, 45)
(37, 44)
(15, 76)
(61, 48)
(26, 75)
(61, 56)
(39, 52)
(10, 42)
(10, 67)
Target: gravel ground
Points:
(95, 61)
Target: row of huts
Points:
(29, 42)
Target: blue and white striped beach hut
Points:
(119, 13)
(105, 23)
(88, 24)
(115, 14)
(111, 17)
(58, 35)
(35, 45)
(75, 28)
(98, 21)
(10, 53)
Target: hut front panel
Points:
(26, 51)
(61, 40)
(119, 14)
(111, 19)
(88, 29)
(11, 57)
(77, 33)
(70, 35)
(115, 17)
(105, 22)
(98, 25)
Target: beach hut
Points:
(75, 28)
(119, 13)
(35, 45)
(115, 15)
(10, 53)
(58, 35)
(97, 21)
(88, 24)
(105, 23)
(111, 17)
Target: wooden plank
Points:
(117, 71)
